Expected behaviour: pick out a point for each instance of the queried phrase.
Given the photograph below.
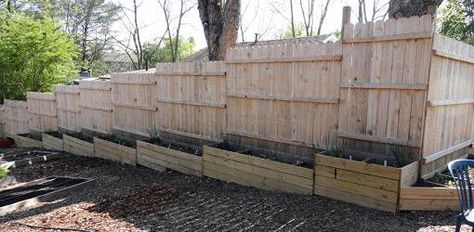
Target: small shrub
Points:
(3, 172)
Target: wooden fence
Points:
(42, 112)
(96, 106)
(69, 113)
(16, 117)
(449, 125)
(383, 85)
(132, 101)
(190, 98)
(387, 86)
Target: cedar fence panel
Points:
(16, 117)
(284, 94)
(190, 98)
(69, 113)
(131, 97)
(449, 126)
(42, 111)
(96, 106)
(2, 121)
(383, 85)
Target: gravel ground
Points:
(125, 198)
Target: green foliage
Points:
(35, 55)
(3, 172)
(335, 151)
(457, 20)
(288, 32)
(161, 53)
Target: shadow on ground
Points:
(136, 198)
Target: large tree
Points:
(220, 20)
(408, 8)
(457, 20)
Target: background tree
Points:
(35, 55)
(408, 8)
(160, 53)
(220, 20)
(457, 20)
(174, 35)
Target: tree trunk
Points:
(221, 25)
(408, 8)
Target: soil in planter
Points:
(177, 146)
(259, 154)
(32, 136)
(399, 161)
(120, 141)
(81, 136)
(55, 134)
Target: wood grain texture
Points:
(67, 105)
(112, 151)
(42, 110)
(52, 143)
(78, 147)
(151, 155)
(257, 172)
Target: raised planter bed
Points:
(159, 155)
(45, 189)
(366, 184)
(435, 194)
(53, 141)
(78, 145)
(27, 140)
(228, 164)
(23, 158)
(116, 149)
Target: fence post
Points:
(346, 18)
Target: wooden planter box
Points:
(78, 146)
(52, 143)
(256, 172)
(429, 198)
(113, 151)
(159, 158)
(22, 141)
(365, 184)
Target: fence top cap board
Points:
(37, 95)
(66, 88)
(99, 83)
(448, 45)
(191, 68)
(15, 103)
(133, 77)
(307, 51)
(414, 27)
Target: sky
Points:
(266, 17)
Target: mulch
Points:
(126, 198)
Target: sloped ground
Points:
(125, 198)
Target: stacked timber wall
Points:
(449, 126)
(132, 102)
(42, 111)
(96, 106)
(69, 113)
(190, 98)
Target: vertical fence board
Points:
(96, 106)
(131, 97)
(16, 117)
(42, 112)
(383, 87)
(69, 113)
(450, 113)
(190, 98)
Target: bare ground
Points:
(126, 198)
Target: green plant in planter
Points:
(401, 154)
(3, 172)
(154, 133)
(335, 151)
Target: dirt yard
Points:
(126, 198)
